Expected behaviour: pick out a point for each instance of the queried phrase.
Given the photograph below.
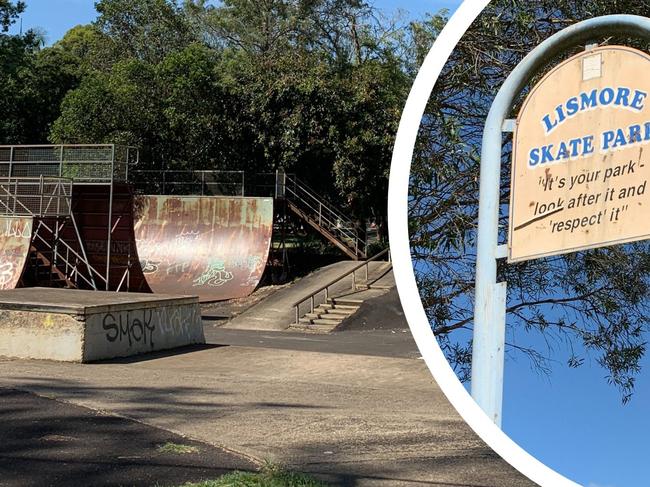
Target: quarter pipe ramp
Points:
(213, 247)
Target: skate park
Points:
(158, 297)
(73, 222)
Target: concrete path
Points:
(276, 312)
(358, 420)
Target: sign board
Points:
(581, 156)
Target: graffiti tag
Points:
(6, 274)
(215, 275)
(149, 266)
(133, 329)
(16, 229)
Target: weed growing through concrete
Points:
(176, 448)
(271, 475)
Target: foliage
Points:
(313, 87)
(270, 476)
(8, 12)
(32, 82)
(592, 303)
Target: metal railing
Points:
(71, 258)
(39, 197)
(87, 163)
(324, 213)
(325, 288)
(189, 182)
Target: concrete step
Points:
(323, 321)
(345, 302)
(374, 286)
(340, 311)
(334, 314)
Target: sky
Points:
(56, 17)
(571, 420)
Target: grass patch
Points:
(270, 476)
(177, 449)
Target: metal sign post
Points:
(490, 296)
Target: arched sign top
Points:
(579, 176)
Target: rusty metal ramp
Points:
(211, 246)
(15, 243)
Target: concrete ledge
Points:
(83, 326)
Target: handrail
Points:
(69, 249)
(327, 217)
(335, 208)
(326, 287)
(331, 207)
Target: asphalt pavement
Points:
(51, 443)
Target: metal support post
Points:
(110, 221)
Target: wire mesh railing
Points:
(40, 197)
(91, 163)
(188, 182)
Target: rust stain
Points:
(213, 247)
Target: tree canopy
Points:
(311, 86)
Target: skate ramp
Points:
(15, 242)
(212, 247)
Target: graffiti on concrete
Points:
(135, 327)
(15, 242)
(147, 326)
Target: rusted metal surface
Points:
(213, 247)
(90, 207)
(15, 239)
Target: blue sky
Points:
(573, 420)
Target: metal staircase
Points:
(36, 183)
(54, 262)
(323, 216)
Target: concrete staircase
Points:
(329, 315)
(338, 307)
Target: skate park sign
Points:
(580, 171)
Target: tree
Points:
(146, 30)
(592, 302)
(314, 87)
(32, 82)
(8, 12)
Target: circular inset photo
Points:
(518, 218)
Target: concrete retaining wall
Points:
(100, 334)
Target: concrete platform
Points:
(82, 326)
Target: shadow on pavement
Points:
(46, 442)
